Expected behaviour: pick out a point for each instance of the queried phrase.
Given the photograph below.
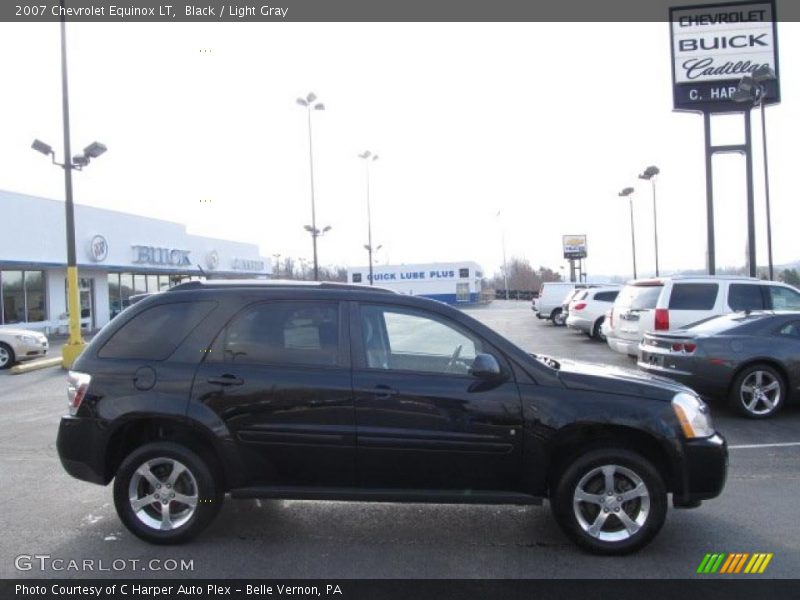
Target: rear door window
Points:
(693, 296)
(745, 296)
(155, 333)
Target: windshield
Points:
(638, 297)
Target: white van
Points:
(674, 302)
(549, 304)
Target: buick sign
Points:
(98, 248)
(714, 46)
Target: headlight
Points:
(693, 415)
(27, 339)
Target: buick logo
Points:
(98, 248)
(212, 260)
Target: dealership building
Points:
(452, 282)
(118, 255)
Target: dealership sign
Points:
(714, 46)
(574, 246)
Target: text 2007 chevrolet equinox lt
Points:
(338, 392)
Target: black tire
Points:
(645, 509)
(7, 357)
(557, 317)
(597, 330)
(767, 395)
(197, 480)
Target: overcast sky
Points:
(543, 122)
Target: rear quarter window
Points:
(155, 333)
(693, 296)
(606, 296)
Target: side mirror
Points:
(485, 366)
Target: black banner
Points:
(711, 588)
(242, 11)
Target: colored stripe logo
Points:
(732, 563)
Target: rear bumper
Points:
(81, 448)
(705, 470)
(629, 347)
(579, 323)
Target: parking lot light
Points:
(368, 158)
(650, 174)
(751, 90)
(40, 146)
(628, 193)
(310, 103)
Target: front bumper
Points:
(704, 469)
(28, 351)
(81, 448)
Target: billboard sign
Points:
(714, 46)
(574, 246)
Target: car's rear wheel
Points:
(6, 356)
(558, 318)
(597, 330)
(165, 493)
(610, 501)
(758, 392)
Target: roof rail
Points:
(275, 283)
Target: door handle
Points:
(384, 392)
(226, 379)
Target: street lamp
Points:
(276, 272)
(650, 173)
(310, 103)
(628, 192)
(751, 89)
(75, 344)
(368, 158)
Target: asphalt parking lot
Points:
(45, 512)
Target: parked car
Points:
(752, 359)
(673, 302)
(549, 304)
(341, 392)
(588, 309)
(17, 345)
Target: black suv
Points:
(326, 391)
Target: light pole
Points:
(315, 233)
(75, 344)
(751, 89)
(628, 192)
(368, 158)
(277, 269)
(650, 173)
(503, 242)
(310, 103)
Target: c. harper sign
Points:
(574, 246)
(714, 46)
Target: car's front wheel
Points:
(558, 317)
(6, 356)
(758, 392)
(165, 493)
(610, 501)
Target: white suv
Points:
(674, 302)
(588, 308)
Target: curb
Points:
(35, 365)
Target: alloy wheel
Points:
(611, 503)
(163, 494)
(760, 393)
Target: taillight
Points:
(579, 306)
(686, 348)
(662, 319)
(77, 386)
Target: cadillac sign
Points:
(714, 46)
(574, 246)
